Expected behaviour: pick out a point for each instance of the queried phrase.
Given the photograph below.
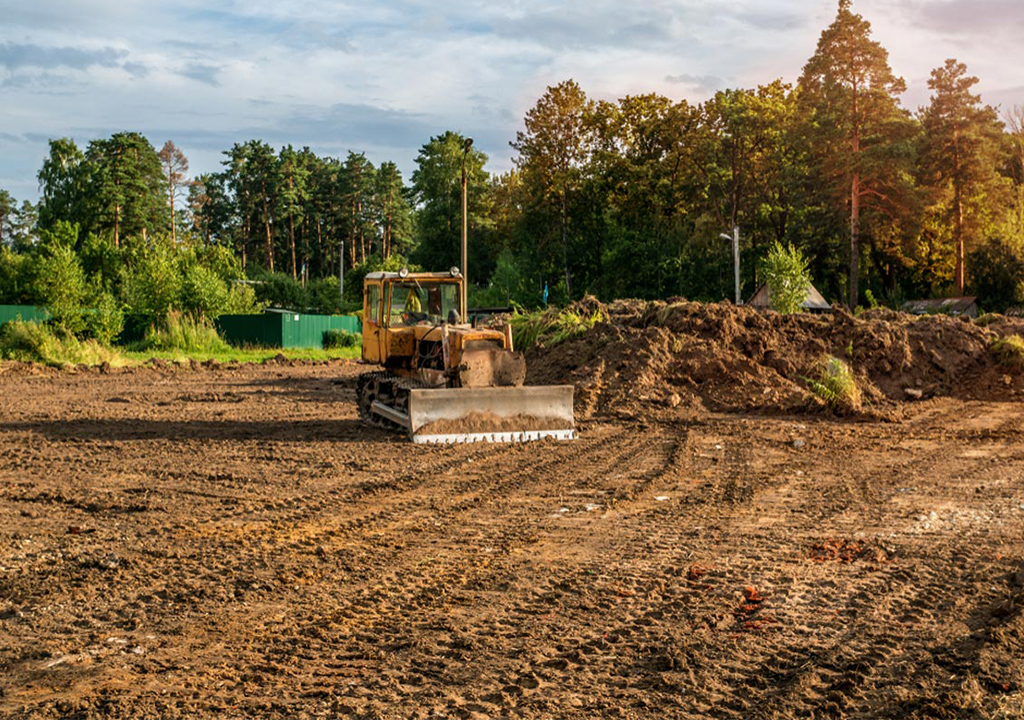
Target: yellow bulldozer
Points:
(442, 380)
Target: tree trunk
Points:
(319, 245)
(855, 204)
(854, 239)
(362, 235)
(266, 227)
(565, 245)
(958, 210)
(246, 232)
(117, 225)
(958, 213)
(291, 233)
(170, 191)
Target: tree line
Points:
(616, 199)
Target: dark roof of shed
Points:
(814, 301)
(951, 306)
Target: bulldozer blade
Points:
(547, 406)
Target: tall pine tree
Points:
(854, 121)
(961, 156)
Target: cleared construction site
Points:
(718, 541)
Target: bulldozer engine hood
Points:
(402, 342)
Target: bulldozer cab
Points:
(394, 301)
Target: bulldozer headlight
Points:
(454, 271)
(403, 272)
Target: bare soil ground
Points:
(233, 542)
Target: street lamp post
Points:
(465, 230)
(735, 237)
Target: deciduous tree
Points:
(554, 148)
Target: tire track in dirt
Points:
(834, 679)
(406, 591)
(414, 595)
(660, 457)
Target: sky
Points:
(384, 77)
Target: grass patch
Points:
(243, 355)
(41, 343)
(1009, 351)
(185, 334)
(552, 326)
(833, 382)
(35, 342)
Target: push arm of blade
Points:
(390, 413)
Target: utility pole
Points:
(465, 231)
(735, 237)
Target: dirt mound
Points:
(687, 355)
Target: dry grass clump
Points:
(1009, 351)
(185, 333)
(833, 382)
(553, 326)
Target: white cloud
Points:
(383, 77)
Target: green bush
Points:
(336, 338)
(997, 272)
(152, 281)
(17, 285)
(203, 293)
(324, 296)
(506, 286)
(280, 290)
(101, 261)
(35, 342)
(62, 287)
(201, 282)
(184, 333)
(1009, 351)
(785, 271)
(107, 321)
(834, 383)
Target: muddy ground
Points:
(233, 542)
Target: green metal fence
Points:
(23, 312)
(275, 328)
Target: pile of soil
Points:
(681, 355)
(486, 422)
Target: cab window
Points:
(373, 304)
(414, 303)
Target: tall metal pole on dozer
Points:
(341, 273)
(735, 237)
(465, 231)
